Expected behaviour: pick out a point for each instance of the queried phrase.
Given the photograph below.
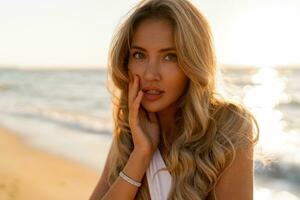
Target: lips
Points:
(158, 90)
(152, 97)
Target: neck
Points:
(167, 126)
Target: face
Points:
(153, 58)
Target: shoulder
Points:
(236, 181)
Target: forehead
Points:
(152, 32)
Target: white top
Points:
(160, 183)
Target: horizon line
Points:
(103, 66)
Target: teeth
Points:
(153, 92)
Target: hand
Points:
(143, 124)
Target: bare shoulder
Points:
(102, 186)
(236, 181)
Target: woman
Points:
(174, 137)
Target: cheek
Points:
(134, 69)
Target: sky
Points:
(77, 33)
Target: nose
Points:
(152, 72)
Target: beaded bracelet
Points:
(129, 180)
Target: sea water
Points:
(69, 113)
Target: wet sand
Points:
(28, 173)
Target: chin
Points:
(152, 108)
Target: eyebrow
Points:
(161, 50)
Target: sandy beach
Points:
(27, 173)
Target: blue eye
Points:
(172, 57)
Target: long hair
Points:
(210, 128)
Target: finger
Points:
(136, 106)
(137, 84)
(133, 90)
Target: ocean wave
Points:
(292, 103)
(73, 120)
(279, 170)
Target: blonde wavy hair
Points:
(210, 128)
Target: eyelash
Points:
(172, 54)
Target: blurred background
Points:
(55, 110)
